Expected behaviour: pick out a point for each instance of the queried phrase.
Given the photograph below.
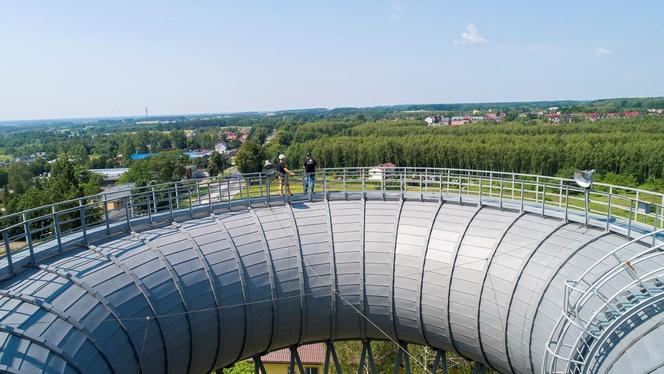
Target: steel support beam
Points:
(243, 281)
(215, 287)
(516, 284)
(270, 273)
(301, 265)
(180, 289)
(462, 235)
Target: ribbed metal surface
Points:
(203, 293)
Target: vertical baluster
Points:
(28, 237)
(56, 227)
(8, 252)
(106, 221)
(81, 213)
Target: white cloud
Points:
(601, 52)
(397, 9)
(470, 36)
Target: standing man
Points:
(282, 174)
(310, 171)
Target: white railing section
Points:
(27, 235)
(594, 304)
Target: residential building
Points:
(311, 355)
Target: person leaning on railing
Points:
(282, 174)
(310, 174)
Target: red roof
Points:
(387, 165)
(309, 354)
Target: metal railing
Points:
(597, 302)
(31, 235)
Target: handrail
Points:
(552, 196)
(570, 313)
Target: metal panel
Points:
(413, 231)
(472, 260)
(237, 283)
(534, 279)
(309, 222)
(346, 218)
(445, 236)
(523, 237)
(287, 272)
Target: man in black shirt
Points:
(310, 174)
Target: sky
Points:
(91, 58)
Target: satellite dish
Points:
(268, 168)
(584, 178)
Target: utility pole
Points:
(146, 114)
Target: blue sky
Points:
(61, 59)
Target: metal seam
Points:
(100, 299)
(178, 286)
(548, 283)
(243, 281)
(217, 301)
(393, 315)
(516, 284)
(22, 334)
(333, 273)
(486, 275)
(269, 265)
(301, 274)
(424, 261)
(451, 277)
(49, 308)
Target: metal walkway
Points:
(511, 282)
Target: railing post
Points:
(566, 203)
(460, 199)
(228, 192)
(219, 190)
(654, 225)
(629, 223)
(170, 204)
(586, 206)
(191, 203)
(522, 197)
(608, 209)
(267, 188)
(106, 221)
(177, 195)
(149, 208)
(247, 187)
(364, 188)
(56, 227)
(127, 200)
(84, 228)
(560, 194)
(209, 196)
(28, 237)
(543, 198)
(131, 203)
(501, 195)
(343, 181)
(480, 189)
(198, 191)
(154, 199)
(324, 185)
(8, 252)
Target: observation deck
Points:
(519, 273)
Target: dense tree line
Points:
(628, 148)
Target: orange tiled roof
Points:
(309, 354)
